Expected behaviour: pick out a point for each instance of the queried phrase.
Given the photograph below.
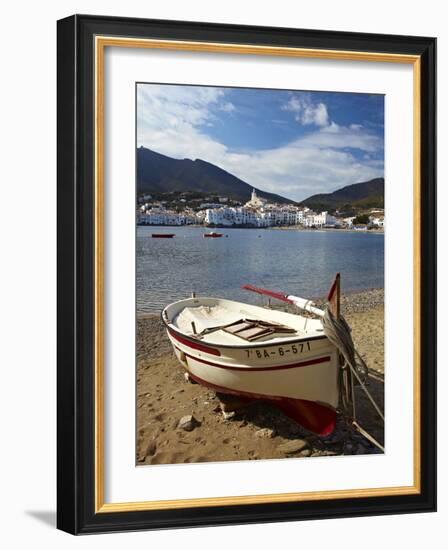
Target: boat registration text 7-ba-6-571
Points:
(281, 351)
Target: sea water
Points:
(296, 262)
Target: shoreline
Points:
(258, 431)
(355, 300)
(375, 231)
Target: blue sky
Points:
(293, 143)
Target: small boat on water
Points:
(258, 353)
(212, 235)
(163, 235)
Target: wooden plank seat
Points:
(250, 329)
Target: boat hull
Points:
(301, 376)
(317, 418)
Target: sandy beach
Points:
(257, 431)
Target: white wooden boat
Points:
(259, 353)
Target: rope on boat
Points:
(366, 434)
(338, 332)
(376, 375)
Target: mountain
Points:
(366, 194)
(158, 173)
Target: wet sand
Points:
(257, 430)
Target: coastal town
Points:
(255, 213)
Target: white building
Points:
(349, 221)
(159, 216)
(324, 219)
(256, 212)
(255, 201)
(377, 221)
(301, 214)
(266, 216)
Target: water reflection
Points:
(295, 262)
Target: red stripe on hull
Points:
(195, 345)
(316, 418)
(257, 369)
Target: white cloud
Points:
(306, 112)
(170, 121)
(159, 106)
(227, 107)
(342, 137)
(298, 171)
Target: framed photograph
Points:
(246, 274)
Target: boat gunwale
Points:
(252, 345)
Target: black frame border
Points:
(76, 263)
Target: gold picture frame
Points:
(102, 33)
